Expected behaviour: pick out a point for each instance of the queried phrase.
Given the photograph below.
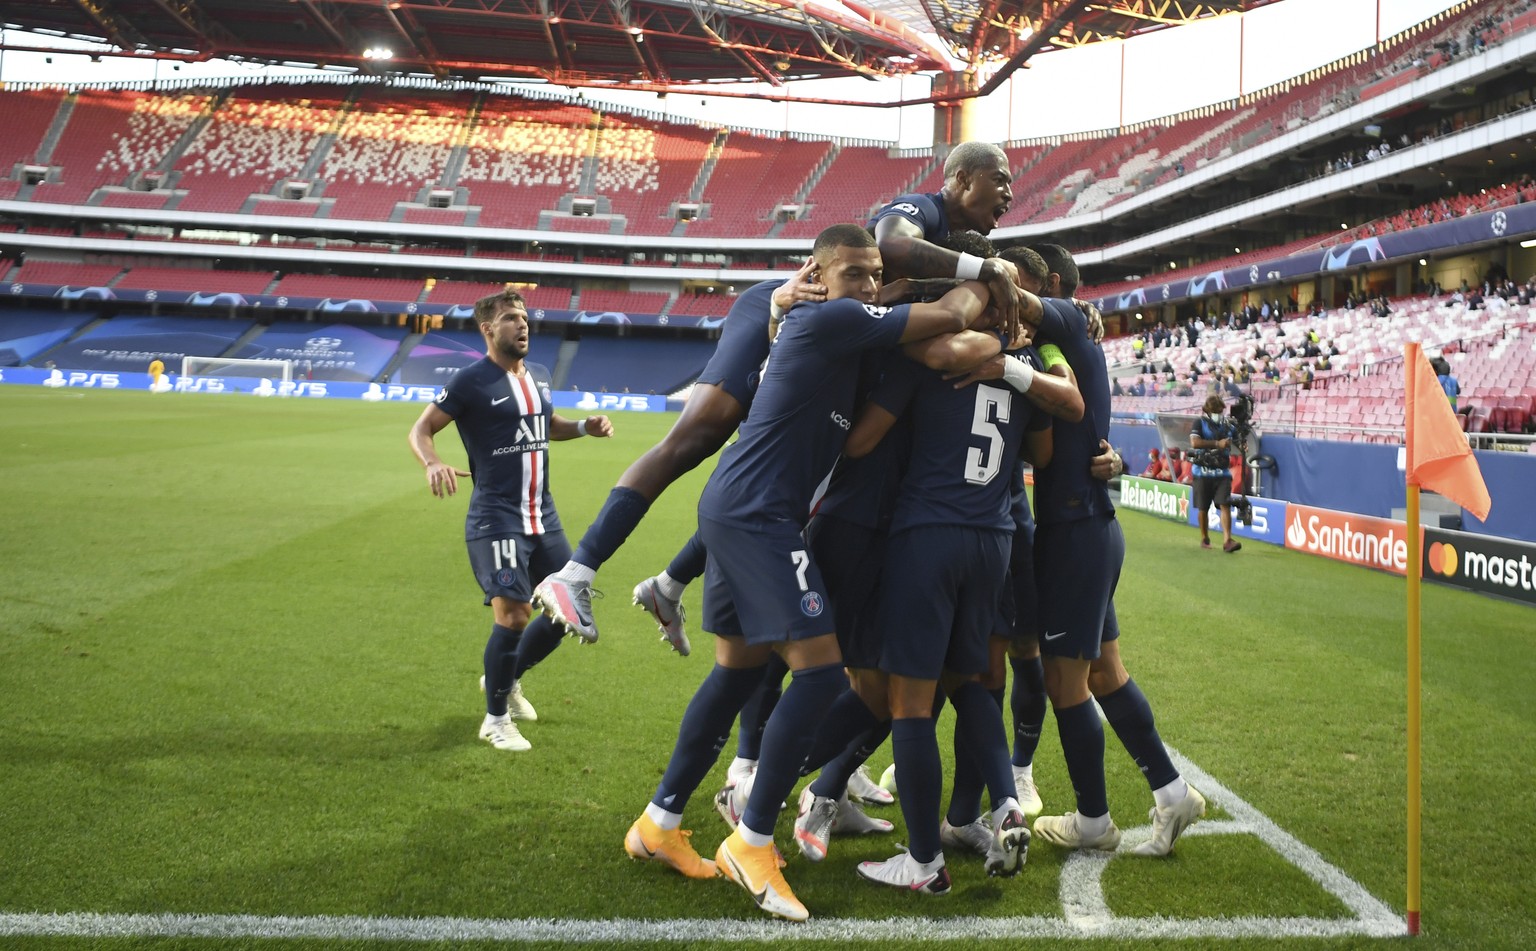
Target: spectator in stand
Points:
(1324, 364)
(1448, 382)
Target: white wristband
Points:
(968, 268)
(581, 427)
(774, 310)
(1018, 373)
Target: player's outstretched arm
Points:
(442, 478)
(950, 352)
(960, 309)
(561, 429)
(907, 253)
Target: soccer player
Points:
(1079, 550)
(764, 592)
(715, 408)
(976, 193)
(502, 409)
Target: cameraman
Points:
(1211, 437)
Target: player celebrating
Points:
(501, 405)
(1078, 553)
(764, 592)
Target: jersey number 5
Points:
(993, 406)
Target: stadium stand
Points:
(194, 280)
(339, 287)
(625, 302)
(441, 353)
(465, 292)
(753, 176)
(256, 138)
(644, 168)
(702, 305)
(325, 352)
(28, 114)
(112, 136)
(522, 157)
(130, 343)
(857, 181)
(72, 275)
(389, 149)
(27, 332)
(637, 365)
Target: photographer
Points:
(1211, 437)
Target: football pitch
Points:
(239, 645)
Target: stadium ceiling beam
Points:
(420, 39)
(716, 25)
(211, 35)
(113, 27)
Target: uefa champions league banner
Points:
(226, 300)
(338, 352)
(584, 403)
(1443, 235)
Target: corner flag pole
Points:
(1415, 569)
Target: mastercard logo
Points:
(1442, 558)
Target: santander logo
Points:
(1356, 539)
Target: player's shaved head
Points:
(841, 236)
(488, 308)
(973, 157)
(970, 242)
(1030, 264)
(1059, 261)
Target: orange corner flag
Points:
(1439, 458)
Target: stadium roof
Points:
(640, 43)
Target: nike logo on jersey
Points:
(500, 401)
(1058, 634)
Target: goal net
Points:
(228, 366)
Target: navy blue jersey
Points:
(743, 344)
(1066, 490)
(965, 448)
(924, 210)
(863, 491)
(801, 414)
(504, 422)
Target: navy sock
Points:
(688, 563)
(622, 511)
(754, 716)
(498, 676)
(920, 778)
(844, 725)
(1082, 743)
(979, 715)
(1028, 704)
(702, 734)
(833, 781)
(1131, 716)
(787, 738)
(540, 638)
(965, 789)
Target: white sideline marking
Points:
(1086, 913)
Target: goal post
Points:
(230, 366)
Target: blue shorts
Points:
(850, 556)
(738, 359)
(1077, 565)
(938, 599)
(508, 566)
(762, 584)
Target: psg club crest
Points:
(811, 604)
(505, 577)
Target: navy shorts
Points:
(738, 359)
(1077, 566)
(850, 556)
(508, 566)
(1018, 614)
(762, 584)
(938, 599)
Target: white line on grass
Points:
(1086, 912)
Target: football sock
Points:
(702, 734)
(786, 740)
(1028, 704)
(500, 645)
(844, 726)
(1166, 796)
(1091, 826)
(1082, 744)
(686, 565)
(919, 776)
(980, 717)
(833, 781)
(967, 783)
(540, 638)
(1129, 713)
(621, 512)
(663, 818)
(759, 707)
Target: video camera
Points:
(1237, 426)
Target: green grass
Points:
(238, 650)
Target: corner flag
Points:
(1439, 458)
